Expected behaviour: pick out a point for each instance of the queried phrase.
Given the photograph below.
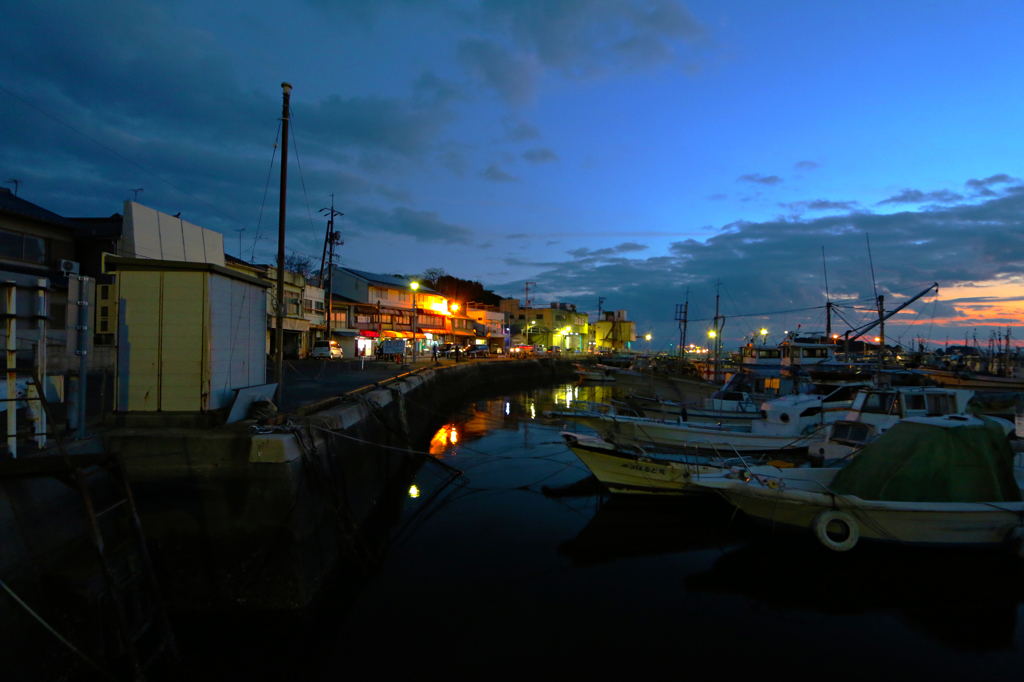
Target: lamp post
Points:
(713, 335)
(415, 286)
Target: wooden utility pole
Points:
(279, 329)
(332, 239)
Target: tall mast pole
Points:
(881, 332)
(279, 330)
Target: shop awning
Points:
(456, 332)
(428, 330)
(366, 333)
(396, 335)
(293, 325)
(344, 332)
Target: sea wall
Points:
(256, 516)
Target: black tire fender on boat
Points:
(820, 528)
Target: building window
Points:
(22, 247)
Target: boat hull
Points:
(624, 473)
(904, 522)
(704, 439)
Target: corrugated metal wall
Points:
(187, 340)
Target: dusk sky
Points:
(625, 149)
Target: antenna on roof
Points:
(136, 191)
(15, 182)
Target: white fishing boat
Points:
(633, 471)
(733, 408)
(929, 480)
(876, 410)
(789, 423)
(973, 380)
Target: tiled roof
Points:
(397, 281)
(14, 205)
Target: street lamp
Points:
(415, 286)
(764, 333)
(648, 337)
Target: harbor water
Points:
(522, 566)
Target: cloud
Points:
(521, 131)
(629, 247)
(540, 155)
(717, 197)
(821, 205)
(806, 165)
(916, 196)
(760, 179)
(587, 37)
(998, 179)
(593, 254)
(495, 174)
(774, 265)
(513, 75)
(517, 235)
(423, 226)
(519, 41)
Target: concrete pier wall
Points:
(237, 518)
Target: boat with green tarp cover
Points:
(928, 480)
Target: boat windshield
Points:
(880, 403)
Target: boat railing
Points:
(721, 459)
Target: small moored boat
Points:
(928, 480)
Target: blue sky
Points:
(625, 149)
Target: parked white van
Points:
(327, 350)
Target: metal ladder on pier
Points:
(143, 633)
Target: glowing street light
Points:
(415, 286)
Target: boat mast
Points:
(828, 301)
(881, 334)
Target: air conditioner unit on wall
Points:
(69, 267)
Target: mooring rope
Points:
(56, 634)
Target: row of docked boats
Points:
(905, 464)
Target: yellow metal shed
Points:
(189, 334)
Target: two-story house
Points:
(300, 321)
(490, 326)
(558, 326)
(614, 332)
(371, 306)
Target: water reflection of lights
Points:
(533, 411)
(414, 491)
(445, 437)
(508, 409)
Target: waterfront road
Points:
(309, 381)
